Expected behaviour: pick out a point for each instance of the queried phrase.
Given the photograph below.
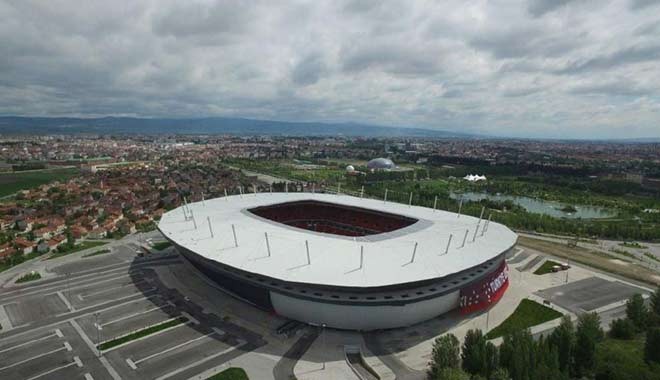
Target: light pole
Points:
(487, 317)
(67, 291)
(98, 333)
(323, 337)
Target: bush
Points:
(622, 329)
(652, 346)
(28, 277)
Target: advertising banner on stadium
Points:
(486, 292)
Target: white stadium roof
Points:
(334, 260)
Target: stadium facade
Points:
(343, 261)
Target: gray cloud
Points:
(540, 7)
(641, 4)
(625, 56)
(612, 88)
(308, 71)
(512, 68)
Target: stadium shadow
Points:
(385, 344)
(156, 291)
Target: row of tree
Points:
(570, 352)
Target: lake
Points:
(539, 206)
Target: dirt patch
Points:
(599, 260)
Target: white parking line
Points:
(108, 290)
(30, 342)
(201, 361)
(77, 361)
(50, 325)
(146, 336)
(172, 348)
(67, 346)
(131, 316)
(76, 285)
(32, 358)
(88, 376)
(112, 300)
(131, 364)
(190, 318)
(92, 347)
(52, 370)
(65, 301)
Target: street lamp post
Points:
(323, 337)
(98, 333)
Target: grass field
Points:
(233, 373)
(527, 314)
(546, 267)
(10, 183)
(141, 333)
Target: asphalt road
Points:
(51, 327)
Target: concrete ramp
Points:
(355, 360)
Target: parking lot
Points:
(588, 294)
(52, 328)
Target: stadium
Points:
(343, 261)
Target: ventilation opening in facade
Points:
(332, 218)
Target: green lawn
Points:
(233, 373)
(99, 252)
(546, 267)
(527, 314)
(10, 183)
(141, 333)
(77, 248)
(32, 276)
(161, 245)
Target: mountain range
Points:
(12, 125)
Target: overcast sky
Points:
(537, 68)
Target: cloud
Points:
(641, 4)
(625, 56)
(612, 88)
(540, 7)
(511, 68)
(308, 71)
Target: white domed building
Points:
(381, 164)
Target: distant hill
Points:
(212, 125)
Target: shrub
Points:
(622, 329)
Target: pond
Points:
(539, 206)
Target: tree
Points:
(563, 339)
(655, 302)
(622, 329)
(517, 354)
(473, 351)
(500, 374)
(445, 354)
(637, 312)
(652, 345)
(491, 360)
(588, 334)
(451, 374)
(546, 361)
